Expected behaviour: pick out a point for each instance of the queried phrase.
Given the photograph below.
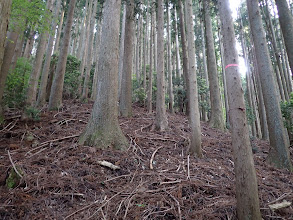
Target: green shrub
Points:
(72, 73)
(17, 83)
(287, 112)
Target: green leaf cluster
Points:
(287, 112)
(17, 83)
(33, 14)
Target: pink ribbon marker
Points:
(233, 64)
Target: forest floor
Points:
(62, 180)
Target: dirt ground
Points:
(62, 180)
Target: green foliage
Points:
(13, 178)
(71, 77)
(287, 112)
(17, 83)
(32, 113)
(139, 94)
(32, 13)
(72, 73)
(203, 91)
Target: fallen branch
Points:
(59, 139)
(108, 164)
(13, 165)
(153, 156)
(188, 170)
(281, 205)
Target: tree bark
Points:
(121, 50)
(150, 89)
(178, 60)
(279, 152)
(246, 183)
(170, 87)
(194, 114)
(125, 103)
(185, 53)
(35, 75)
(161, 121)
(59, 30)
(55, 100)
(103, 129)
(46, 68)
(5, 7)
(85, 90)
(216, 119)
(286, 22)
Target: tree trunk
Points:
(216, 120)
(35, 75)
(184, 52)
(5, 7)
(85, 90)
(178, 61)
(59, 30)
(82, 31)
(161, 121)
(125, 104)
(170, 87)
(121, 50)
(103, 129)
(85, 46)
(95, 79)
(286, 22)
(279, 152)
(46, 68)
(246, 183)
(194, 115)
(150, 89)
(55, 100)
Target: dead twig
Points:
(90, 205)
(13, 165)
(153, 156)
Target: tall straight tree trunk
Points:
(185, 53)
(82, 31)
(55, 100)
(216, 120)
(194, 115)
(85, 47)
(224, 78)
(161, 121)
(103, 129)
(98, 44)
(145, 53)
(246, 182)
(59, 30)
(137, 73)
(279, 152)
(178, 61)
(150, 89)
(85, 90)
(170, 87)
(35, 75)
(121, 50)
(286, 22)
(5, 7)
(125, 104)
(46, 68)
